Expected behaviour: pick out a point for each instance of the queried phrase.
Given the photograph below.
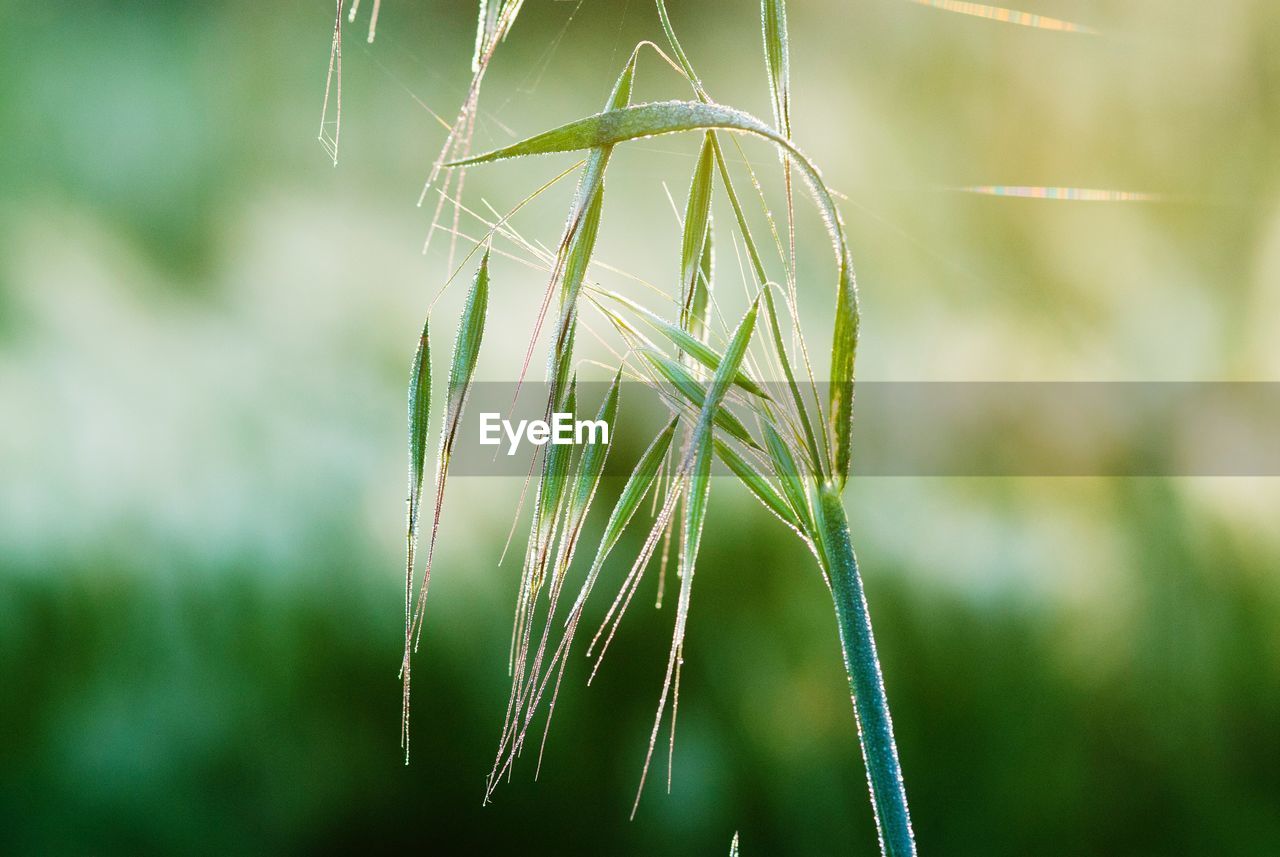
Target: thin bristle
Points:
(333, 88)
(1073, 194)
(1007, 16)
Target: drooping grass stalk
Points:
(790, 454)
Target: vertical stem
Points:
(870, 705)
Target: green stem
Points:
(870, 705)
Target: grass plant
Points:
(792, 451)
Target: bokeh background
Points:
(205, 330)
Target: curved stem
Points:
(870, 705)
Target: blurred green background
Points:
(205, 331)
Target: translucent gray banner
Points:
(926, 428)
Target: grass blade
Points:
(419, 416)
(773, 20)
(591, 469)
(757, 484)
(465, 352)
(548, 504)
(720, 383)
(697, 230)
(692, 389)
(793, 483)
(699, 316)
(419, 428)
(777, 60)
(629, 123)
